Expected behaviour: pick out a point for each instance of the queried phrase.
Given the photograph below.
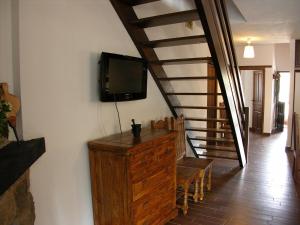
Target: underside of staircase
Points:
(212, 101)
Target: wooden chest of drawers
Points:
(134, 180)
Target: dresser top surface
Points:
(126, 140)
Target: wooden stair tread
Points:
(186, 78)
(206, 119)
(220, 155)
(228, 140)
(166, 19)
(170, 42)
(183, 61)
(202, 129)
(192, 93)
(216, 148)
(198, 107)
(138, 2)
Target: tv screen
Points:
(122, 78)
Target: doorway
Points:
(253, 80)
(284, 93)
(258, 101)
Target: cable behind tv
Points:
(116, 105)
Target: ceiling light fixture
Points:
(249, 50)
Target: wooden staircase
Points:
(210, 139)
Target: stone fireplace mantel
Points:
(16, 158)
(16, 201)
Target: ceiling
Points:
(266, 21)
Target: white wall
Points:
(282, 57)
(57, 45)
(9, 54)
(264, 55)
(60, 42)
(247, 81)
(6, 63)
(292, 81)
(268, 109)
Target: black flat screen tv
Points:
(122, 78)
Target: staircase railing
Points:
(215, 22)
(213, 16)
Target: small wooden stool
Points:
(185, 177)
(202, 166)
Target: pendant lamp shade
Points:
(249, 51)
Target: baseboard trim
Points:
(267, 134)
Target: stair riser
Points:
(217, 150)
(199, 130)
(172, 42)
(138, 2)
(220, 141)
(214, 157)
(167, 19)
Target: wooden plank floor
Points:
(263, 193)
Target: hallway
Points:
(261, 193)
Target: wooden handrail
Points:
(216, 26)
(231, 57)
(235, 63)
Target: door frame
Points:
(286, 71)
(263, 69)
(263, 102)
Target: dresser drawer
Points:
(155, 202)
(151, 152)
(150, 161)
(149, 184)
(141, 148)
(162, 140)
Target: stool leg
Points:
(201, 186)
(185, 203)
(209, 178)
(196, 194)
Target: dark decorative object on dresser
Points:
(136, 128)
(134, 179)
